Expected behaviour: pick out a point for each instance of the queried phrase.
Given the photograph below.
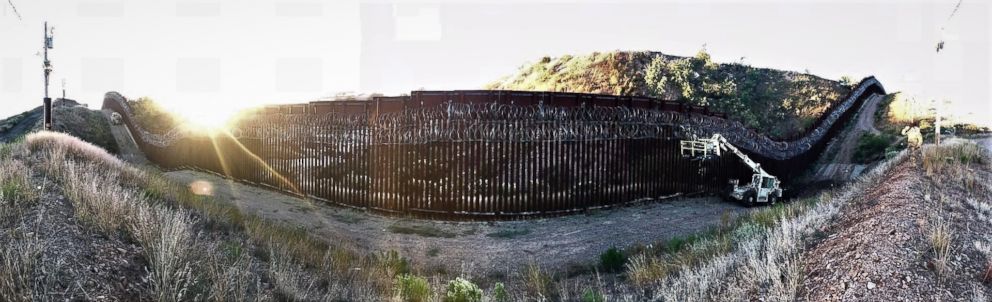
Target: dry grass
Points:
(18, 265)
(94, 181)
(198, 248)
(16, 193)
(943, 161)
(758, 253)
(537, 281)
(645, 271)
(231, 274)
(291, 280)
(955, 164)
(940, 237)
(21, 251)
(167, 238)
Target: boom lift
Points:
(763, 188)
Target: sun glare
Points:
(206, 116)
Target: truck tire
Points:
(727, 193)
(751, 198)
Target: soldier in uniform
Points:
(913, 137)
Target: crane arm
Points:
(723, 144)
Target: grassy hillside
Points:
(781, 103)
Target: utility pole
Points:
(936, 124)
(48, 71)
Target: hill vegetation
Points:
(152, 116)
(69, 117)
(780, 103)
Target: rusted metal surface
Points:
(483, 154)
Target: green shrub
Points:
(461, 290)
(591, 295)
(413, 288)
(395, 264)
(871, 147)
(612, 260)
(499, 293)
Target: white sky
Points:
(205, 57)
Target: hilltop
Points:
(779, 103)
(69, 117)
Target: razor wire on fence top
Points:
(498, 158)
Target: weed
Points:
(412, 288)
(461, 290)
(940, 238)
(499, 293)
(538, 282)
(231, 278)
(18, 265)
(291, 280)
(612, 260)
(592, 295)
(167, 239)
(395, 264)
(643, 270)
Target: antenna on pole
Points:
(48, 70)
(63, 88)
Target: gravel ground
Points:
(489, 247)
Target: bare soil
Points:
(476, 247)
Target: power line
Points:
(15, 10)
(940, 44)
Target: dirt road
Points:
(840, 167)
(504, 246)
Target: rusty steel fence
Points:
(483, 154)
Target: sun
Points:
(206, 117)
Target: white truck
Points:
(763, 188)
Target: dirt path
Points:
(840, 167)
(874, 251)
(504, 246)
